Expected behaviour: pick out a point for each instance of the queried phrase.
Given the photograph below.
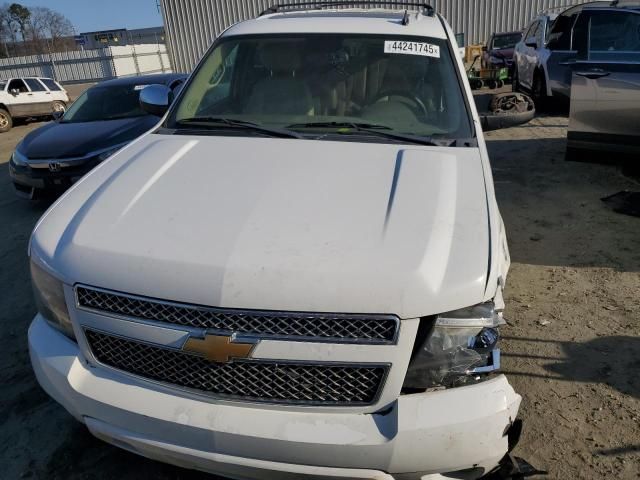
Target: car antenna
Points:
(405, 19)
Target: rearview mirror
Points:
(531, 42)
(155, 99)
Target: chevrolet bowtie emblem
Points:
(218, 348)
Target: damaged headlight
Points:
(49, 296)
(455, 347)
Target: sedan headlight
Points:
(49, 296)
(18, 158)
(455, 347)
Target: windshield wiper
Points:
(371, 128)
(353, 125)
(213, 122)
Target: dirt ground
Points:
(572, 347)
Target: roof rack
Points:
(428, 9)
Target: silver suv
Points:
(531, 56)
(552, 44)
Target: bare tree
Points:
(20, 16)
(47, 23)
(8, 28)
(47, 28)
(26, 31)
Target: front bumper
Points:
(29, 181)
(420, 435)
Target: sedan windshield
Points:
(386, 87)
(506, 41)
(105, 103)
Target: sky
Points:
(92, 15)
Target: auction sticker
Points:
(412, 48)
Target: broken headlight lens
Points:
(455, 347)
(49, 296)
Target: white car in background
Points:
(299, 272)
(30, 97)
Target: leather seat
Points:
(282, 92)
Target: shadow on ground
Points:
(612, 361)
(552, 208)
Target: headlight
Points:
(50, 301)
(106, 154)
(18, 158)
(455, 347)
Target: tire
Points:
(500, 83)
(515, 83)
(6, 122)
(508, 110)
(571, 154)
(493, 84)
(497, 122)
(58, 106)
(539, 91)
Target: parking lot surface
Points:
(572, 347)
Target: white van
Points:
(299, 272)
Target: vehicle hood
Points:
(69, 140)
(280, 224)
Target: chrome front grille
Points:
(377, 329)
(248, 380)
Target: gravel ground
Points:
(572, 347)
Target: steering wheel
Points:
(399, 93)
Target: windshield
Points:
(105, 103)
(506, 41)
(324, 82)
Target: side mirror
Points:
(485, 48)
(531, 42)
(57, 115)
(15, 91)
(155, 99)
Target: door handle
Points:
(593, 74)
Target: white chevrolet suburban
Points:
(299, 272)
